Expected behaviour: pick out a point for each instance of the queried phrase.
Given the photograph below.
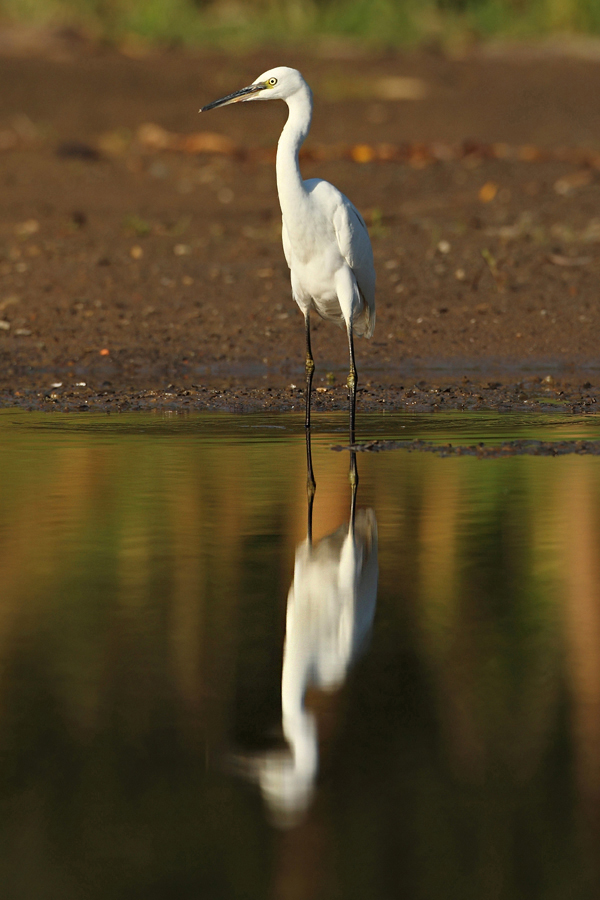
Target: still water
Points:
(197, 702)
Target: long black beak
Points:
(237, 97)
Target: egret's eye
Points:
(272, 82)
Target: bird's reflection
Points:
(330, 609)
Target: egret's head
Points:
(275, 84)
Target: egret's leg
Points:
(310, 368)
(352, 384)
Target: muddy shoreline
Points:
(526, 395)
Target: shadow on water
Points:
(167, 606)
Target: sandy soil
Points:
(137, 274)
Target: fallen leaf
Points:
(362, 153)
(488, 191)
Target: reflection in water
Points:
(330, 609)
(143, 582)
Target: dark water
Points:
(195, 703)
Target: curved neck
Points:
(289, 180)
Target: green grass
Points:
(377, 23)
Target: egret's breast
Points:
(314, 264)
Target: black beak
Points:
(237, 97)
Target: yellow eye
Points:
(272, 82)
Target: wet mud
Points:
(141, 263)
(532, 396)
(483, 451)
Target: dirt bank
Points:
(137, 272)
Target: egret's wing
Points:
(287, 247)
(303, 301)
(355, 246)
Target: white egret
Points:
(325, 239)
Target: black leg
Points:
(352, 385)
(310, 368)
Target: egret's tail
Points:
(364, 322)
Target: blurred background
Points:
(378, 23)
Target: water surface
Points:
(196, 702)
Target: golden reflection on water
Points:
(577, 501)
(144, 579)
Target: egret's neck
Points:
(289, 180)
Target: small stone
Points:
(136, 252)
(25, 229)
(4, 325)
